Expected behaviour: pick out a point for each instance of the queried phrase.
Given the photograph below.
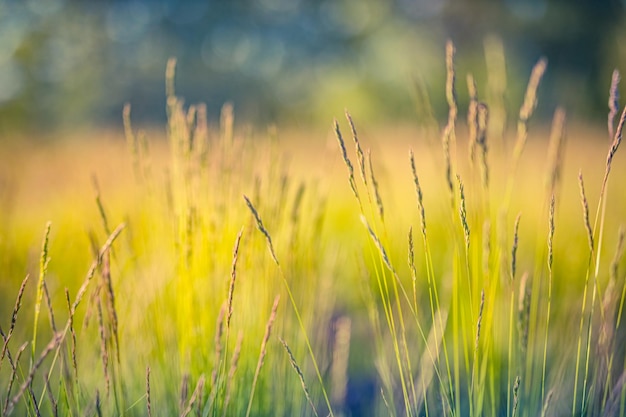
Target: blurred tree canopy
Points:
(71, 62)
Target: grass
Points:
(470, 278)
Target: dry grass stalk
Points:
(14, 367)
(551, 233)
(233, 278)
(346, 160)
(411, 262)
(477, 340)
(387, 406)
(378, 244)
(359, 151)
(54, 343)
(219, 332)
(619, 252)
(94, 266)
(450, 84)
(613, 102)
(515, 245)
(472, 116)
(104, 354)
(196, 397)
(448, 166)
(43, 269)
(523, 314)
(72, 333)
(101, 210)
(184, 392)
(549, 307)
(33, 401)
(617, 140)
(418, 190)
(148, 398)
(98, 404)
(610, 320)
(262, 229)
(481, 140)
(341, 355)
(515, 396)
(528, 106)
(449, 133)
(477, 119)
(231, 372)
(16, 309)
(379, 201)
(54, 404)
(259, 365)
(295, 366)
(463, 214)
(610, 295)
(583, 199)
(547, 403)
(108, 285)
(48, 301)
(555, 150)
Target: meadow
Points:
(473, 268)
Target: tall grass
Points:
(507, 305)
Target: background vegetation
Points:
(65, 63)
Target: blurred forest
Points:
(68, 63)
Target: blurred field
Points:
(230, 270)
(56, 181)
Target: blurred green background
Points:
(68, 63)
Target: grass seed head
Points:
(463, 213)
(516, 396)
(148, 399)
(551, 233)
(523, 315)
(379, 201)
(555, 149)
(583, 200)
(418, 191)
(233, 278)
(296, 367)
(481, 140)
(262, 229)
(515, 245)
(613, 102)
(528, 106)
(357, 145)
(346, 160)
